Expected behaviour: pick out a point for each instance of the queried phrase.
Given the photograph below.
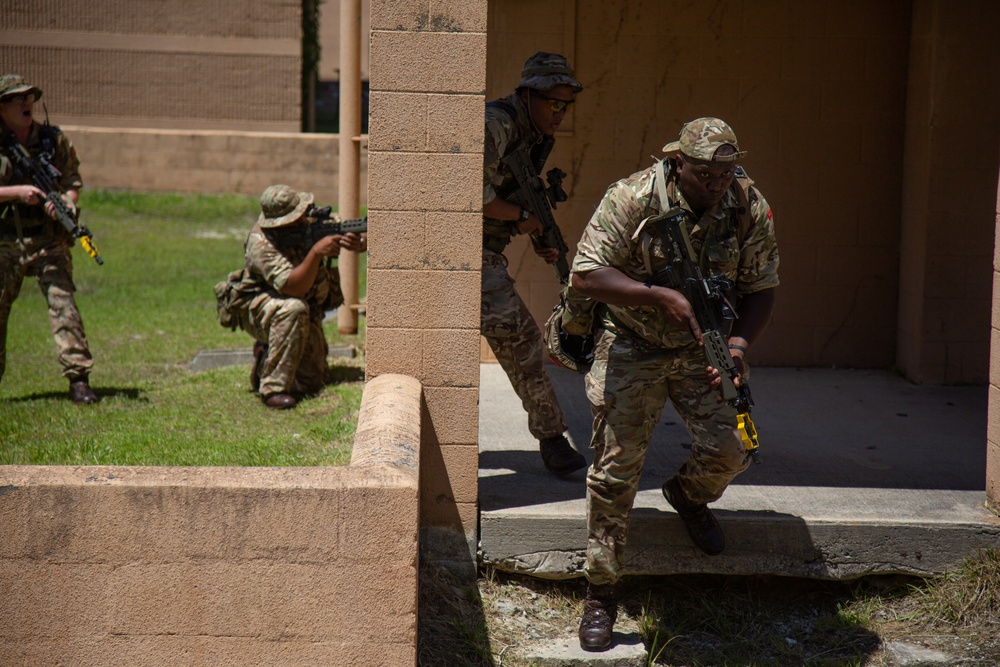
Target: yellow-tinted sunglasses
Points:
(554, 104)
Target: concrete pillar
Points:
(424, 205)
(993, 420)
(350, 153)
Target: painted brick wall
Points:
(206, 161)
(151, 63)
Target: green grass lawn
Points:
(147, 312)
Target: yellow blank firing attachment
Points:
(88, 245)
(748, 432)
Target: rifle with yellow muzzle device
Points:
(715, 314)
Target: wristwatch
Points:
(524, 215)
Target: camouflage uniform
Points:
(33, 244)
(642, 360)
(505, 322)
(291, 327)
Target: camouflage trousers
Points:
(517, 342)
(627, 387)
(296, 344)
(48, 259)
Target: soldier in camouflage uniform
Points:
(649, 344)
(32, 243)
(283, 295)
(530, 115)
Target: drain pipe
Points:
(350, 154)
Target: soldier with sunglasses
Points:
(528, 116)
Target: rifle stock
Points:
(533, 195)
(42, 175)
(714, 313)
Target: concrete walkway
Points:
(862, 473)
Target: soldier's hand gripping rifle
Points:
(320, 226)
(532, 194)
(43, 175)
(714, 312)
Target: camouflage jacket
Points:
(618, 237)
(63, 158)
(267, 270)
(505, 131)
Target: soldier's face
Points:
(704, 183)
(548, 107)
(16, 110)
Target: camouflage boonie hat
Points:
(702, 137)
(14, 84)
(281, 205)
(544, 71)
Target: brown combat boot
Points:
(600, 611)
(280, 401)
(559, 456)
(701, 524)
(81, 393)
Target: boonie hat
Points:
(281, 205)
(544, 71)
(702, 138)
(14, 84)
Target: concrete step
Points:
(863, 473)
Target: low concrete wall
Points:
(208, 161)
(238, 566)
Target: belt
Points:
(8, 233)
(495, 243)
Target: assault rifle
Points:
(43, 175)
(532, 194)
(715, 315)
(320, 226)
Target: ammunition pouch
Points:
(231, 299)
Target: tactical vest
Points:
(497, 233)
(30, 218)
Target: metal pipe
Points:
(348, 205)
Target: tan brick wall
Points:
(161, 63)
(176, 566)
(183, 566)
(204, 161)
(425, 156)
(993, 418)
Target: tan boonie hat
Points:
(702, 138)
(544, 71)
(281, 205)
(14, 84)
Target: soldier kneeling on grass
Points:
(281, 296)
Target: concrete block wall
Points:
(249, 566)
(428, 65)
(209, 161)
(169, 64)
